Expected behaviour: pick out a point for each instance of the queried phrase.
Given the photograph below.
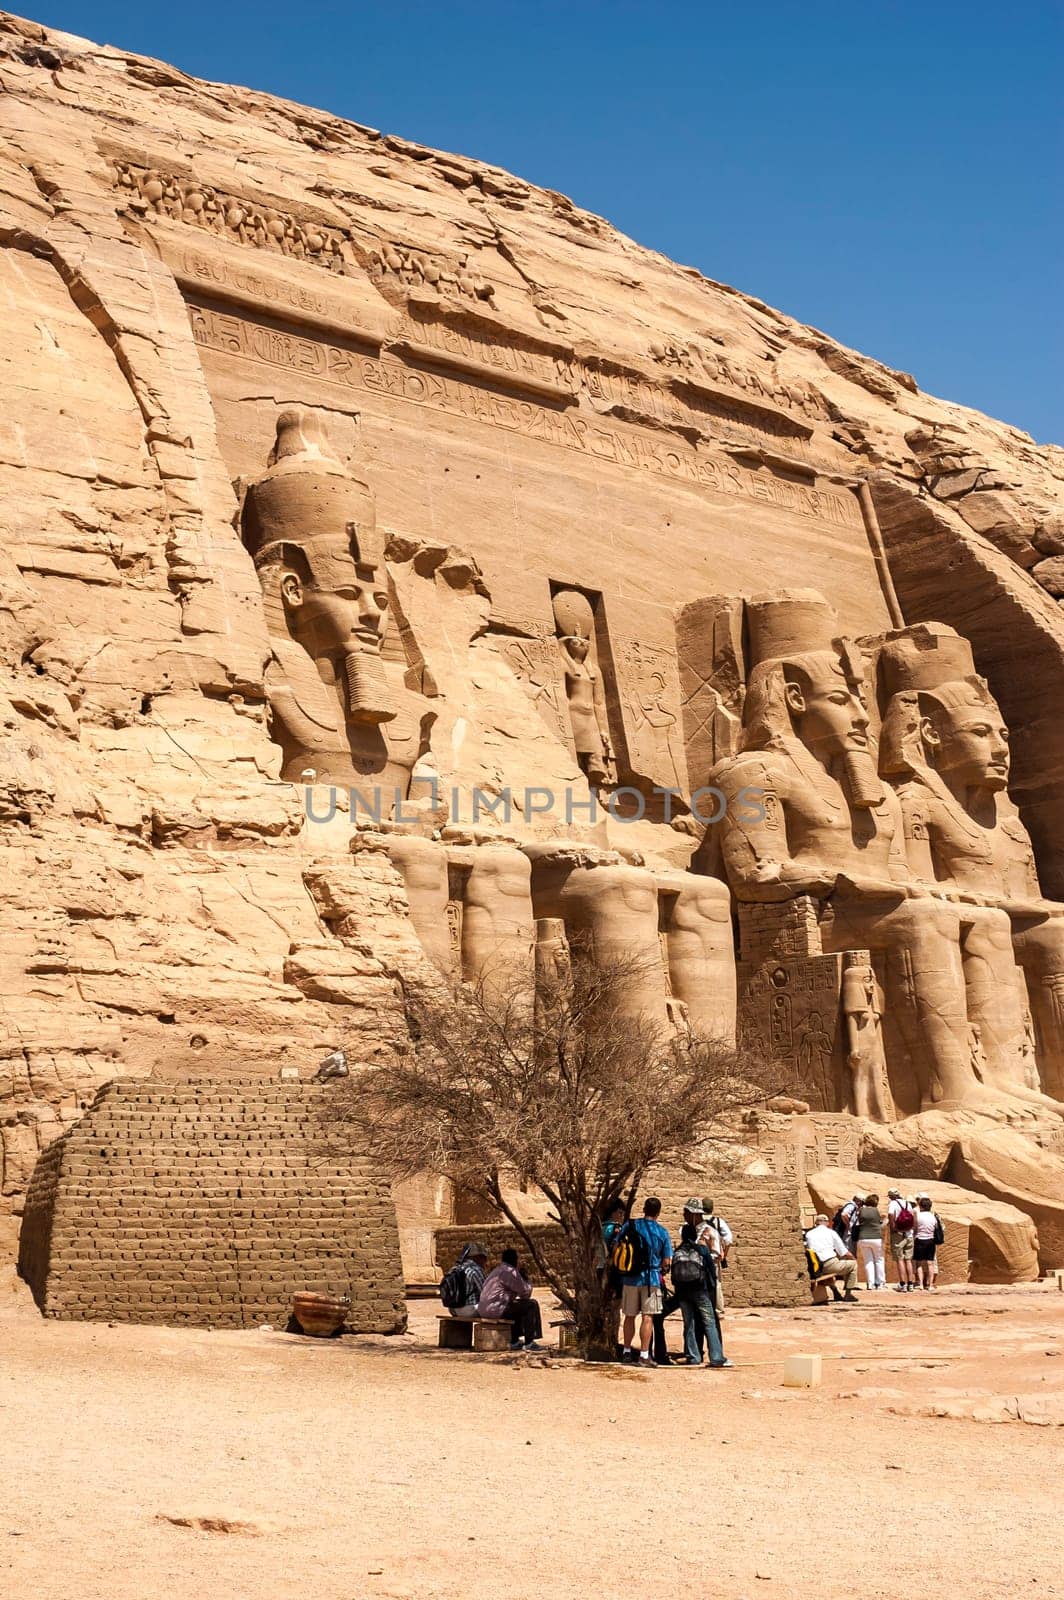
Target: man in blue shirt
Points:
(641, 1295)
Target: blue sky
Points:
(889, 172)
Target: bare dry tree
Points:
(573, 1095)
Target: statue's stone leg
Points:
(498, 929)
(994, 986)
(423, 864)
(700, 951)
(924, 989)
(610, 912)
(1040, 950)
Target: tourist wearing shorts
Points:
(901, 1214)
(928, 1235)
(641, 1292)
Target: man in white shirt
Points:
(851, 1211)
(718, 1239)
(835, 1260)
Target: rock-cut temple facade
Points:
(404, 573)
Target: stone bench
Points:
(474, 1333)
(820, 1288)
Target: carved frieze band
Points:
(329, 362)
(700, 385)
(418, 270)
(692, 361)
(154, 192)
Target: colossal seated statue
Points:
(694, 918)
(830, 829)
(945, 747)
(471, 906)
(673, 928)
(338, 711)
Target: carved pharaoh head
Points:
(310, 528)
(940, 714)
(805, 683)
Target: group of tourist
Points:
(639, 1260)
(644, 1280)
(853, 1242)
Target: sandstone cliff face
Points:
(179, 262)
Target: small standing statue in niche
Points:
(869, 1094)
(583, 687)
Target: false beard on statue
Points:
(863, 783)
(368, 696)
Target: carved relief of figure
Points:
(945, 747)
(553, 968)
(651, 714)
(978, 1054)
(805, 742)
(583, 687)
(869, 1091)
(814, 1048)
(310, 528)
(553, 964)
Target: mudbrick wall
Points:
(766, 1265)
(211, 1205)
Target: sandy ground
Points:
(929, 1462)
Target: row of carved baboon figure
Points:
(163, 194)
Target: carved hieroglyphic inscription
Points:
(690, 404)
(332, 362)
(790, 1010)
(543, 368)
(488, 347)
(215, 272)
(650, 703)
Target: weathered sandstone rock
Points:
(392, 556)
(1005, 1165)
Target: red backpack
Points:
(903, 1220)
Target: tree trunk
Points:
(596, 1309)
(596, 1330)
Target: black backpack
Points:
(840, 1223)
(688, 1266)
(454, 1290)
(629, 1255)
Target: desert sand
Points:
(167, 1465)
